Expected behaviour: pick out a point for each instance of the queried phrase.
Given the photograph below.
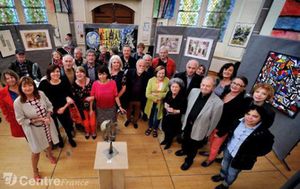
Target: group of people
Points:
(187, 105)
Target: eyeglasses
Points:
(237, 84)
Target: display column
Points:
(111, 171)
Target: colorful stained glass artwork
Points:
(283, 73)
(190, 5)
(188, 12)
(218, 14)
(187, 18)
(8, 13)
(8, 16)
(35, 15)
(33, 3)
(7, 3)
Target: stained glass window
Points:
(188, 12)
(218, 14)
(8, 13)
(61, 6)
(35, 11)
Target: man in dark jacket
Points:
(24, 67)
(248, 139)
(91, 65)
(189, 77)
(136, 83)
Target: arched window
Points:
(113, 13)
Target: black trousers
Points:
(66, 122)
(190, 146)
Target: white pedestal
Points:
(111, 172)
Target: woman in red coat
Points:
(7, 95)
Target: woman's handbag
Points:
(75, 114)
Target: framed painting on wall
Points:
(241, 34)
(283, 73)
(198, 48)
(7, 46)
(34, 40)
(172, 42)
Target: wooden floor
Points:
(150, 167)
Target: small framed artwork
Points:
(198, 47)
(34, 40)
(172, 42)
(282, 72)
(7, 46)
(241, 34)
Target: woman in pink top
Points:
(105, 92)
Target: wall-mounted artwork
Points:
(283, 73)
(111, 37)
(288, 23)
(198, 48)
(172, 42)
(7, 46)
(36, 39)
(241, 34)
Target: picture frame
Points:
(282, 72)
(34, 40)
(172, 42)
(241, 34)
(7, 45)
(199, 48)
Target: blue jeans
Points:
(227, 172)
(153, 121)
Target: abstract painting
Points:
(111, 37)
(172, 42)
(198, 48)
(36, 39)
(283, 73)
(241, 34)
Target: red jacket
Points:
(7, 107)
(170, 69)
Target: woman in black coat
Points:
(233, 98)
(247, 139)
(175, 104)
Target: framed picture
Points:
(283, 73)
(7, 46)
(198, 48)
(241, 34)
(34, 40)
(172, 42)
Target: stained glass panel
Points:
(8, 16)
(35, 11)
(6, 3)
(33, 3)
(190, 5)
(218, 5)
(187, 18)
(35, 15)
(218, 14)
(8, 13)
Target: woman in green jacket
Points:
(156, 91)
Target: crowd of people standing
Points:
(188, 105)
